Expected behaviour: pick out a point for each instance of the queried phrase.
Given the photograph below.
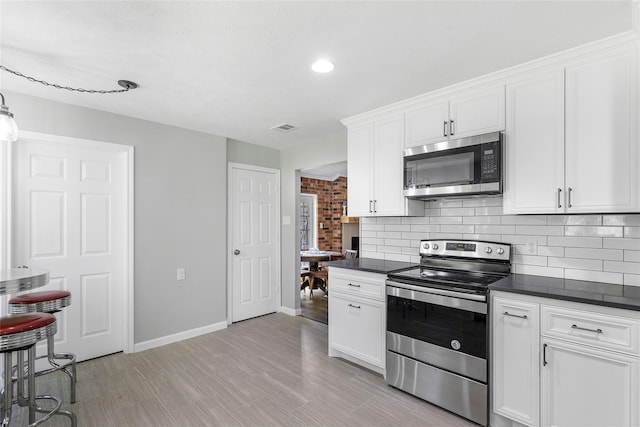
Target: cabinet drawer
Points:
(356, 327)
(592, 328)
(362, 283)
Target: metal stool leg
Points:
(7, 401)
(68, 368)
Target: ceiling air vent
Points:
(285, 127)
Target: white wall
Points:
(180, 178)
(309, 154)
(600, 248)
(251, 154)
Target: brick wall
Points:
(330, 195)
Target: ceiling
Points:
(235, 69)
(329, 172)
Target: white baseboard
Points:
(290, 311)
(169, 339)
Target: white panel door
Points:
(601, 133)
(255, 248)
(388, 167)
(534, 144)
(71, 219)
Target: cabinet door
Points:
(477, 111)
(584, 386)
(359, 170)
(388, 167)
(357, 327)
(601, 132)
(516, 360)
(534, 144)
(427, 124)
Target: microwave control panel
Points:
(490, 161)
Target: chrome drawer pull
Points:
(354, 306)
(355, 286)
(524, 316)
(597, 331)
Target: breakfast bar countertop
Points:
(597, 293)
(371, 264)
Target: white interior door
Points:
(71, 218)
(254, 241)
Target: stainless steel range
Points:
(437, 324)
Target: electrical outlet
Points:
(532, 248)
(321, 225)
(181, 273)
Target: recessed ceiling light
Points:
(322, 66)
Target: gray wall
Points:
(180, 178)
(309, 154)
(251, 154)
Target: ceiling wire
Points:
(126, 84)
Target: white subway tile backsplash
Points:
(631, 256)
(622, 267)
(454, 228)
(458, 211)
(576, 263)
(604, 254)
(489, 219)
(633, 232)
(630, 220)
(593, 231)
(495, 229)
(633, 244)
(602, 248)
(549, 230)
(594, 276)
(574, 220)
(576, 242)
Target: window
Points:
(308, 221)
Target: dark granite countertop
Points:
(604, 294)
(371, 264)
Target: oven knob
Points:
(426, 246)
(500, 251)
(435, 246)
(488, 250)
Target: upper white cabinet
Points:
(375, 169)
(571, 136)
(468, 112)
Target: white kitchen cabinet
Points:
(357, 317)
(375, 169)
(516, 380)
(468, 112)
(566, 364)
(571, 137)
(585, 386)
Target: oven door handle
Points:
(453, 299)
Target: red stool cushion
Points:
(36, 297)
(24, 322)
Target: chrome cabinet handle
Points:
(544, 355)
(451, 128)
(444, 128)
(370, 210)
(351, 284)
(569, 204)
(506, 313)
(354, 306)
(559, 191)
(597, 331)
(374, 206)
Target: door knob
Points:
(236, 252)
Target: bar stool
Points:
(49, 302)
(20, 333)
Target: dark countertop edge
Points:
(554, 293)
(372, 265)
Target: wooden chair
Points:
(350, 254)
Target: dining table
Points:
(313, 257)
(13, 280)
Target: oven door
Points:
(466, 166)
(445, 329)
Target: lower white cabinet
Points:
(357, 319)
(560, 363)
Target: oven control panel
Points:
(466, 249)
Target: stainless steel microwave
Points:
(462, 167)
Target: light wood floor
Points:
(269, 371)
(316, 308)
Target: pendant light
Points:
(8, 126)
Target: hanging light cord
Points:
(126, 84)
